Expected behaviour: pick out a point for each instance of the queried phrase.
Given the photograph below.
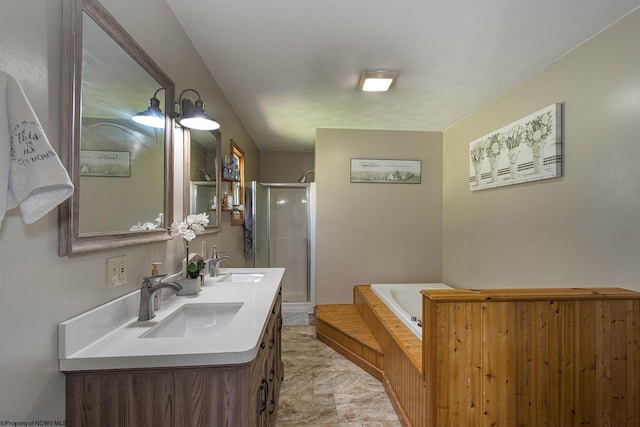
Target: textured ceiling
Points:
(288, 67)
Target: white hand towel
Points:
(31, 174)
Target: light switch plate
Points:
(116, 271)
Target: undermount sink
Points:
(242, 277)
(196, 320)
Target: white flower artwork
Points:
(528, 149)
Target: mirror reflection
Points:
(202, 175)
(121, 169)
(120, 160)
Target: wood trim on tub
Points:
(402, 351)
(529, 294)
(557, 357)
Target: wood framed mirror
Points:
(122, 171)
(202, 150)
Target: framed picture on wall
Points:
(386, 171)
(529, 149)
(105, 163)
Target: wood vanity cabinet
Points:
(268, 369)
(242, 395)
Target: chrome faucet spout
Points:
(214, 264)
(147, 290)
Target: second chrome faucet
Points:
(214, 262)
(148, 288)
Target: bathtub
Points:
(405, 301)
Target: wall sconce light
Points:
(196, 118)
(377, 81)
(152, 116)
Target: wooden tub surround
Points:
(534, 357)
(399, 361)
(509, 357)
(342, 328)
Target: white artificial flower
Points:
(188, 234)
(200, 219)
(203, 218)
(537, 135)
(188, 228)
(197, 228)
(175, 228)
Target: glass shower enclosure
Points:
(283, 224)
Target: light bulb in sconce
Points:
(195, 117)
(153, 115)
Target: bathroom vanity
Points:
(209, 360)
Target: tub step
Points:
(342, 328)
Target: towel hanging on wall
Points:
(31, 173)
(248, 222)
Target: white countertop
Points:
(119, 345)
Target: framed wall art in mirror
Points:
(202, 175)
(107, 77)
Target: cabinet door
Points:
(263, 403)
(274, 363)
(278, 338)
(262, 391)
(273, 382)
(261, 383)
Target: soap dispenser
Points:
(154, 268)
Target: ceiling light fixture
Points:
(195, 118)
(153, 115)
(377, 81)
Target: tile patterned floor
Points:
(323, 389)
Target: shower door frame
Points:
(294, 307)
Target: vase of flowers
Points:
(512, 140)
(188, 230)
(537, 131)
(477, 156)
(494, 148)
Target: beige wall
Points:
(376, 233)
(285, 166)
(38, 289)
(579, 230)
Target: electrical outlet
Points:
(116, 271)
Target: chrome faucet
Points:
(214, 264)
(146, 292)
